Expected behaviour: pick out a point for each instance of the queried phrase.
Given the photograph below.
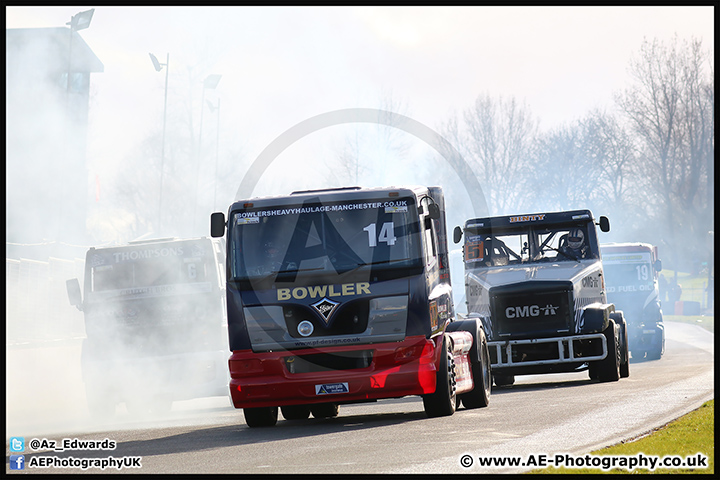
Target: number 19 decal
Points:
(387, 234)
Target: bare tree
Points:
(670, 108)
(563, 174)
(499, 135)
(362, 148)
(613, 153)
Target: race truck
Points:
(536, 283)
(342, 296)
(631, 280)
(155, 324)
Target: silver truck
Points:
(537, 284)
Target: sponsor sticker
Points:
(325, 308)
(247, 220)
(474, 249)
(527, 218)
(396, 209)
(331, 388)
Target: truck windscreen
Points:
(139, 267)
(499, 247)
(624, 274)
(324, 238)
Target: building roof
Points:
(50, 48)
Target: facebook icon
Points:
(17, 462)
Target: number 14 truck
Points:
(342, 296)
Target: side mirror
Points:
(434, 211)
(658, 265)
(74, 293)
(604, 224)
(457, 234)
(217, 224)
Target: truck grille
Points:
(531, 309)
(351, 318)
(324, 362)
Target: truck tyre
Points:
(624, 348)
(479, 396)
(261, 416)
(295, 412)
(443, 401)
(325, 410)
(503, 380)
(479, 355)
(609, 367)
(138, 405)
(657, 348)
(638, 354)
(101, 406)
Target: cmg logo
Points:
(526, 311)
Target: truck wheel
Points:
(503, 380)
(480, 363)
(638, 354)
(444, 401)
(624, 348)
(479, 396)
(138, 405)
(100, 405)
(325, 410)
(261, 416)
(609, 367)
(657, 348)
(295, 412)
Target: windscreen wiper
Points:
(379, 262)
(568, 254)
(278, 272)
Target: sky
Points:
(282, 65)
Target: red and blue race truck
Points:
(343, 296)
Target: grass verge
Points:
(685, 437)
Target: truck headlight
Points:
(305, 328)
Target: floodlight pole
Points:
(210, 82)
(79, 21)
(158, 67)
(217, 153)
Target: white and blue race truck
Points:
(631, 271)
(537, 284)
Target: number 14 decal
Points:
(387, 234)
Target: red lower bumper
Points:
(397, 369)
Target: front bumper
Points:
(392, 370)
(548, 351)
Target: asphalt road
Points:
(539, 415)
